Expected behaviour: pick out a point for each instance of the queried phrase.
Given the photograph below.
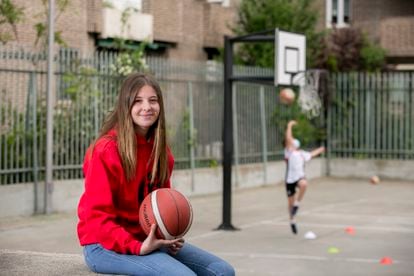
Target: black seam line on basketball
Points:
(178, 214)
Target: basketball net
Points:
(309, 100)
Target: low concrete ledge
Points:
(19, 199)
(16, 262)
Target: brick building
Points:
(179, 29)
(389, 23)
(194, 29)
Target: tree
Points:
(258, 15)
(296, 16)
(10, 15)
(129, 59)
(41, 26)
(348, 49)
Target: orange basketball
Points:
(374, 179)
(170, 210)
(287, 96)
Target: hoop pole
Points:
(249, 37)
(227, 134)
(229, 79)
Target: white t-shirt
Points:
(296, 164)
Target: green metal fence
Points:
(372, 115)
(369, 115)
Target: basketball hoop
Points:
(309, 100)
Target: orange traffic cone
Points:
(386, 261)
(350, 230)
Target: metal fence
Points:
(369, 116)
(372, 115)
(86, 90)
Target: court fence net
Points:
(364, 115)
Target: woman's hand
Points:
(176, 246)
(152, 243)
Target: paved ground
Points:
(382, 217)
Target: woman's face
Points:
(145, 110)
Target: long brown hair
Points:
(120, 119)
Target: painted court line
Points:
(45, 254)
(343, 226)
(372, 217)
(204, 235)
(274, 220)
(283, 218)
(301, 257)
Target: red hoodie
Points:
(108, 209)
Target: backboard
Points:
(290, 56)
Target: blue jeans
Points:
(190, 260)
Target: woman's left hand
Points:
(176, 246)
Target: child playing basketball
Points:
(295, 172)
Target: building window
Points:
(338, 13)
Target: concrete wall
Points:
(392, 169)
(18, 200)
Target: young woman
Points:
(129, 159)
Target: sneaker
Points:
(293, 227)
(295, 209)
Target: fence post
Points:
(35, 158)
(264, 133)
(192, 134)
(95, 106)
(368, 145)
(331, 94)
(235, 135)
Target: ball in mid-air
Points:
(287, 96)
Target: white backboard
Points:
(290, 56)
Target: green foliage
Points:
(79, 109)
(182, 133)
(192, 139)
(341, 50)
(41, 27)
(79, 81)
(348, 49)
(213, 163)
(259, 15)
(10, 15)
(17, 135)
(308, 131)
(76, 114)
(372, 57)
(126, 14)
(332, 63)
(129, 60)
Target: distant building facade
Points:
(194, 29)
(178, 29)
(388, 23)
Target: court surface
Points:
(382, 217)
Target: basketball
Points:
(287, 96)
(374, 180)
(170, 210)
